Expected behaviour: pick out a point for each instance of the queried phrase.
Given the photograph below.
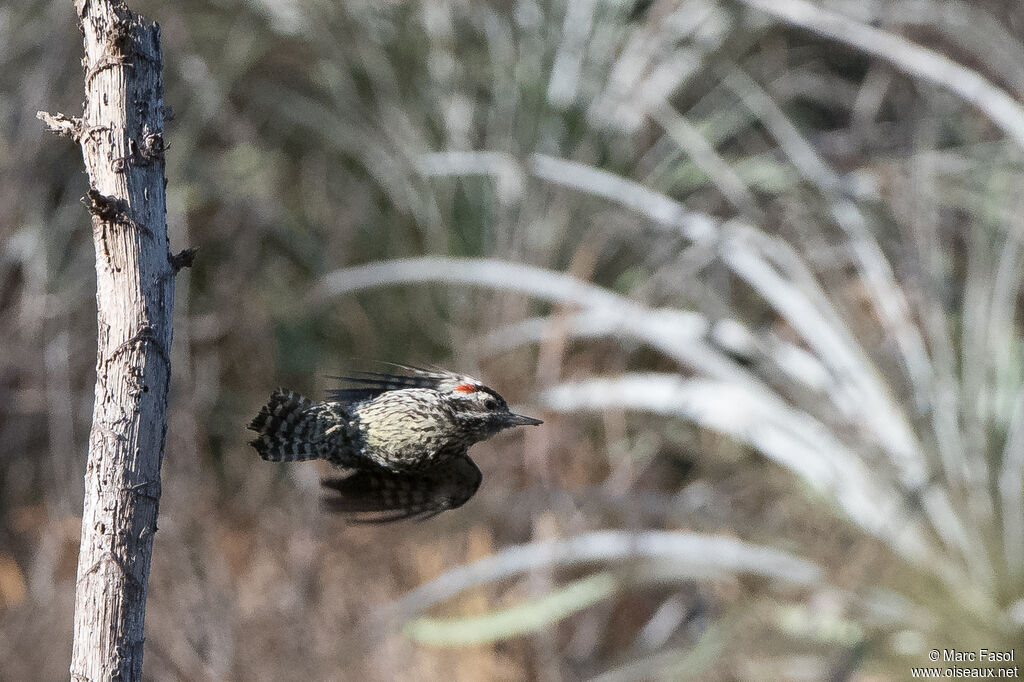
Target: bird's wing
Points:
(369, 385)
(381, 496)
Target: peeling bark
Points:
(121, 135)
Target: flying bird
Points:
(405, 438)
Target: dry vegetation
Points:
(759, 273)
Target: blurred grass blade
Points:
(680, 335)
(528, 617)
(696, 226)
(699, 149)
(488, 272)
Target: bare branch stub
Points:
(65, 126)
(184, 258)
(103, 207)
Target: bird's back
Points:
(409, 428)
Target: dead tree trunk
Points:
(121, 135)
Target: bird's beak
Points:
(520, 420)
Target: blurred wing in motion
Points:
(369, 385)
(381, 496)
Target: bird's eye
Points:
(491, 405)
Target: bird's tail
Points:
(292, 428)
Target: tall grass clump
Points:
(787, 255)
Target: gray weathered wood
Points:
(121, 135)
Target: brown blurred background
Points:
(762, 286)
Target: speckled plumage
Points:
(406, 437)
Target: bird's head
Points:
(481, 411)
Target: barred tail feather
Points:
(290, 428)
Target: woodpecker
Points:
(405, 438)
